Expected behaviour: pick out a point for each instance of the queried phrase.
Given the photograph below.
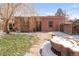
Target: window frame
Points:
(50, 24)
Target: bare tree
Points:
(7, 12)
(61, 12)
(29, 10)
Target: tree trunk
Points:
(5, 24)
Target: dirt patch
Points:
(42, 37)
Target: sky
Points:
(45, 9)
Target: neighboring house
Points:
(70, 27)
(76, 27)
(66, 27)
(37, 23)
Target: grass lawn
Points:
(16, 45)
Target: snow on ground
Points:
(66, 43)
(46, 49)
(76, 37)
(59, 34)
(61, 39)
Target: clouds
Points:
(74, 5)
(45, 9)
(74, 11)
(47, 12)
(74, 16)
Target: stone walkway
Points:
(43, 37)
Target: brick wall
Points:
(24, 24)
(21, 23)
(55, 22)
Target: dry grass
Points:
(16, 45)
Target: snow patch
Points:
(46, 49)
(62, 41)
(60, 34)
(66, 43)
